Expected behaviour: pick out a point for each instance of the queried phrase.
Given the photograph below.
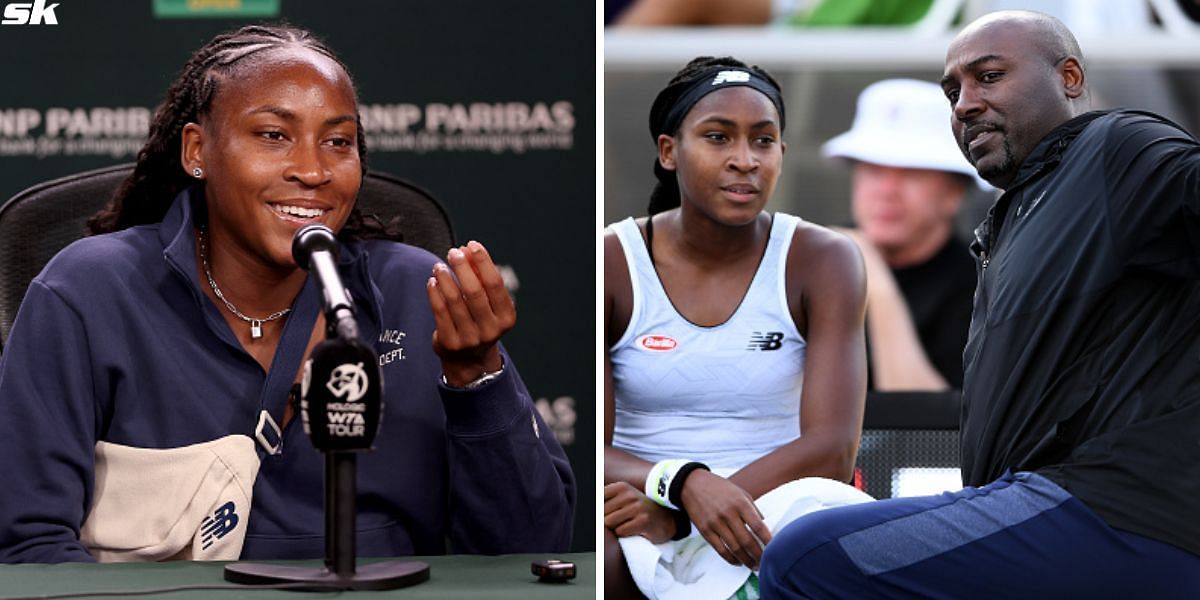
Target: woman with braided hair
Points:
(729, 331)
(144, 391)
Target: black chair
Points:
(38, 222)
(903, 430)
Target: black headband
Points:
(719, 78)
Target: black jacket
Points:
(1083, 360)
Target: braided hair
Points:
(145, 196)
(665, 195)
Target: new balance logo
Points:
(27, 13)
(771, 340)
(731, 77)
(222, 521)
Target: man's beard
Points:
(1005, 169)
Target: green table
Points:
(451, 577)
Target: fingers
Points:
(455, 327)
(620, 517)
(636, 524)
(741, 544)
(734, 539)
(623, 513)
(747, 533)
(614, 488)
(472, 309)
(759, 528)
(493, 284)
(482, 287)
(715, 535)
(619, 492)
(726, 516)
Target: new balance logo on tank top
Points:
(723, 395)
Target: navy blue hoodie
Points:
(116, 341)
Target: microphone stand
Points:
(341, 491)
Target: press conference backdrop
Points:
(488, 105)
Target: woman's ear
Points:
(666, 152)
(191, 150)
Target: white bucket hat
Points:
(902, 123)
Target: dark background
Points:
(534, 209)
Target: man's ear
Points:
(191, 148)
(666, 152)
(1073, 77)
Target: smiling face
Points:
(1010, 82)
(279, 151)
(726, 155)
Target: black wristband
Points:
(683, 525)
(675, 493)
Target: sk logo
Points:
(771, 340)
(348, 382)
(222, 521)
(30, 13)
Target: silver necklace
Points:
(255, 324)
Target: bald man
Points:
(1081, 417)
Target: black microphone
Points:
(314, 248)
(341, 396)
(341, 404)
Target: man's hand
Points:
(628, 512)
(472, 310)
(726, 516)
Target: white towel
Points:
(691, 570)
(154, 504)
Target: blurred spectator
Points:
(862, 12)
(909, 182)
(647, 13)
(651, 13)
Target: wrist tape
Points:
(664, 484)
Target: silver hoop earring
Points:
(197, 172)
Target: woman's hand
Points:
(628, 512)
(726, 516)
(471, 309)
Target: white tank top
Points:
(722, 395)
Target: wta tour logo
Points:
(347, 382)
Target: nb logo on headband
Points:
(731, 77)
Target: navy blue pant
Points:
(1022, 536)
